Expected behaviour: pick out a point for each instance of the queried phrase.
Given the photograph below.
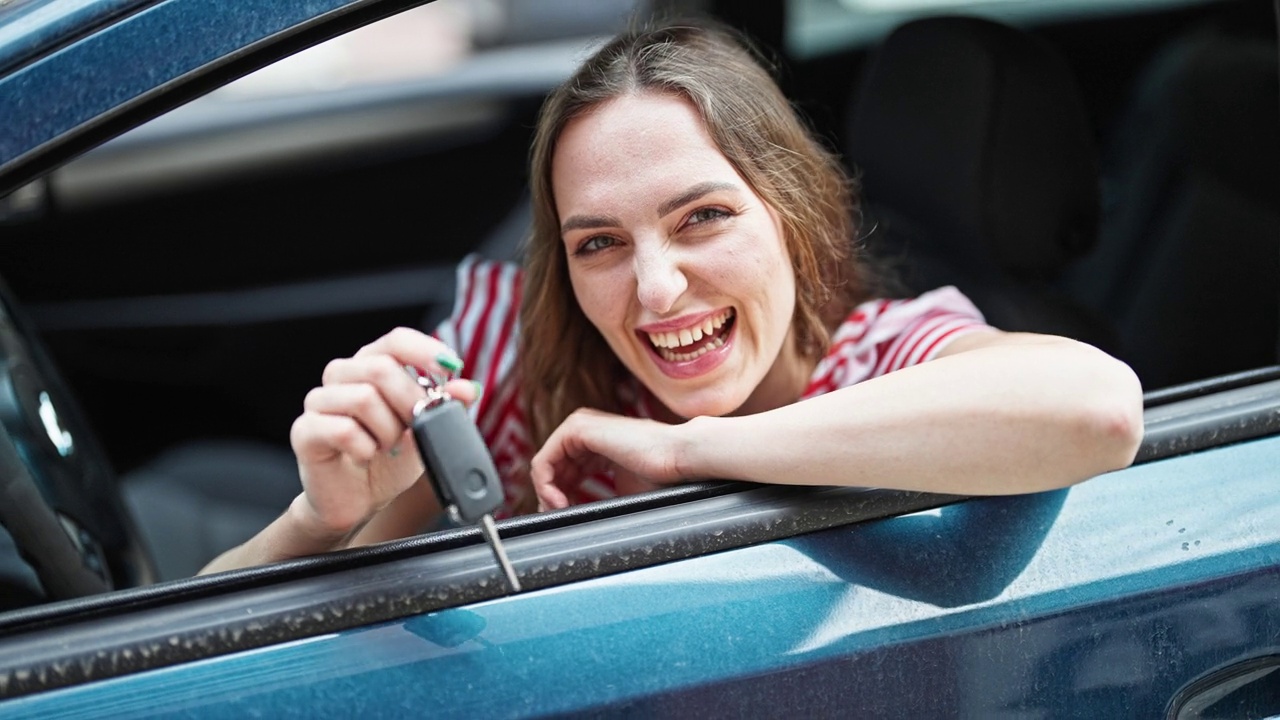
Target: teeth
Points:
(665, 341)
(685, 357)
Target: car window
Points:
(435, 53)
(432, 40)
(427, 112)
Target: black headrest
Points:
(976, 133)
(1207, 97)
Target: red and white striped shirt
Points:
(878, 337)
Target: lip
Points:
(700, 365)
(681, 323)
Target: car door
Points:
(1109, 599)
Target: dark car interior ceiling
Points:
(1107, 173)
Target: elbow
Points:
(1120, 433)
(1114, 421)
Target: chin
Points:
(702, 403)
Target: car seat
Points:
(979, 170)
(1188, 261)
(199, 499)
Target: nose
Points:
(659, 278)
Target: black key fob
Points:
(457, 460)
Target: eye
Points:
(595, 244)
(706, 215)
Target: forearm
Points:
(1031, 414)
(295, 533)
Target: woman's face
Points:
(675, 260)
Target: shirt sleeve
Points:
(912, 331)
(881, 336)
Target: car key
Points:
(460, 467)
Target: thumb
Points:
(468, 392)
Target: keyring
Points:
(434, 385)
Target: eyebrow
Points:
(693, 193)
(587, 222)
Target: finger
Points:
(385, 373)
(562, 464)
(545, 470)
(550, 496)
(362, 402)
(320, 438)
(412, 347)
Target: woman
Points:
(692, 307)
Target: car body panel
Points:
(1068, 603)
(125, 60)
(29, 28)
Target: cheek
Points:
(774, 295)
(600, 297)
(761, 278)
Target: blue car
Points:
(179, 182)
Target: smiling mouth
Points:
(692, 343)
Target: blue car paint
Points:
(1098, 601)
(27, 28)
(89, 78)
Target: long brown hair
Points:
(564, 363)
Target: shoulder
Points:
(485, 305)
(484, 325)
(878, 320)
(485, 286)
(884, 335)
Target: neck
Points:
(783, 384)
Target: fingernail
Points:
(479, 390)
(449, 361)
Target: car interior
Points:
(1105, 171)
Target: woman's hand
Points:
(355, 450)
(356, 454)
(643, 455)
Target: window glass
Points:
(433, 40)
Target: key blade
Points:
(499, 552)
